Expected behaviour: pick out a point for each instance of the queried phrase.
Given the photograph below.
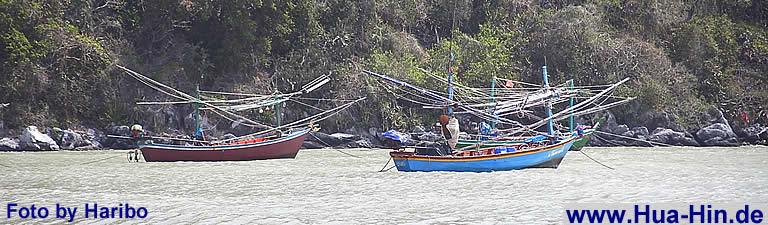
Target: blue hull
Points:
(542, 157)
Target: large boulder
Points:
(714, 115)
(325, 139)
(718, 134)
(8, 144)
(653, 120)
(70, 140)
(312, 145)
(31, 139)
(610, 124)
(430, 137)
(753, 134)
(363, 143)
(671, 137)
(622, 130)
(639, 132)
(95, 137)
(418, 129)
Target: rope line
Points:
(594, 160)
(385, 165)
(100, 160)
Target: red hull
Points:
(284, 147)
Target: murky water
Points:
(328, 187)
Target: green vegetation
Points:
(58, 56)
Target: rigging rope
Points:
(94, 161)
(385, 165)
(185, 96)
(594, 160)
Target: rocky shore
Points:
(659, 130)
(663, 131)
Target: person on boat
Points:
(445, 126)
(450, 127)
(199, 136)
(485, 130)
(137, 131)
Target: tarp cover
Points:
(394, 135)
(535, 139)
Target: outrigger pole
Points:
(441, 98)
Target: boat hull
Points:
(542, 157)
(582, 141)
(283, 147)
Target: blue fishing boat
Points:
(541, 151)
(543, 156)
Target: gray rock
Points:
(418, 130)
(87, 148)
(430, 137)
(54, 133)
(620, 129)
(312, 145)
(718, 134)
(671, 137)
(714, 115)
(120, 130)
(2, 128)
(629, 133)
(688, 141)
(325, 138)
(8, 144)
(343, 135)
(95, 137)
(70, 140)
(754, 134)
(33, 140)
(360, 144)
(374, 131)
(610, 124)
(653, 120)
(640, 131)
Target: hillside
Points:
(684, 57)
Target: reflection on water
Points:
(326, 186)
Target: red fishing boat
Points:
(285, 145)
(255, 149)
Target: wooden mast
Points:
(548, 105)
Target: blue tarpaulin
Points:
(535, 139)
(394, 135)
(498, 150)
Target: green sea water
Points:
(329, 187)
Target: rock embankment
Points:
(718, 132)
(658, 129)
